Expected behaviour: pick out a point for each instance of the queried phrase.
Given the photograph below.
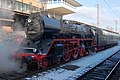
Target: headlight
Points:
(29, 20)
(32, 56)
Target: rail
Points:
(112, 70)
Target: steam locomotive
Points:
(50, 41)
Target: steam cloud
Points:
(7, 47)
(7, 64)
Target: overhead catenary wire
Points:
(111, 8)
(115, 9)
(115, 12)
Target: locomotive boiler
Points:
(42, 30)
(50, 41)
(37, 24)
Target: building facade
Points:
(58, 8)
(55, 8)
(22, 8)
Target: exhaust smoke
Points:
(7, 63)
(8, 43)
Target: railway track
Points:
(107, 70)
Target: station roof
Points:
(74, 3)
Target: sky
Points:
(107, 16)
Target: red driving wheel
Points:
(66, 56)
(44, 63)
(82, 51)
(75, 54)
(58, 61)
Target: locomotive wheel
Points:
(58, 61)
(82, 51)
(75, 54)
(44, 63)
(66, 56)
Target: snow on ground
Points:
(84, 64)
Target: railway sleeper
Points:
(94, 78)
(106, 68)
(98, 78)
(103, 68)
(115, 58)
(106, 71)
(107, 64)
(100, 73)
(89, 78)
(97, 74)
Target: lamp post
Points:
(97, 15)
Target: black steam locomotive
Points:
(51, 41)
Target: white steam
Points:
(8, 46)
(7, 63)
